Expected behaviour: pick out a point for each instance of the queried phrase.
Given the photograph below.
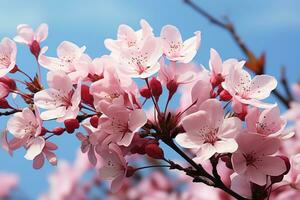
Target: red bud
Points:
(10, 83)
(145, 92)
(4, 104)
(172, 87)
(58, 131)
(156, 87)
(94, 121)
(71, 125)
(86, 96)
(216, 80)
(14, 70)
(154, 151)
(225, 96)
(35, 48)
(43, 131)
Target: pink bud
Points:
(71, 125)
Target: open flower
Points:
(267, 123)
(128, 38)
(177, 50)
(60, 100)
(8, 53)
(37, 149)
(254, 159)
(121, 124)
(219, 69)
(249, 91)
(208, 132)
(25, 124)
(27, 35)
(70, 59)
(114, 166)
(141, 62)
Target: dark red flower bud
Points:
(86, 96)
(216, 80)
(154, 151)
(172, 86)
(130, 171)
(14, 70)
(4, 104)
(94, 121)
(71, 125)
(58, 131)
(225, 96)
(145, 92)
(43, 131)
(10, 83)
(156, 87)
(35, 48)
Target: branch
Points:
(7, 113)
(255, 64)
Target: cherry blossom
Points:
(114, 167)
(249, 91)
(141, 62)
(213, 135)
(254, 159)
(61, 101)
(70, 59)
(27, 35)
(268, 122)
(121, 124)
(128, 38)
(8, 53)
(8, 182)
(177, 50)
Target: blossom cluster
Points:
(222, 115)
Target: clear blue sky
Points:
(270, 25)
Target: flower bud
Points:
(156, 87)
(94, 121)
(145, 92)
(225, 96)
(35, 48)
(58, 131)
(4, 104)
(86, 96)
(10, 83)
(172, 86)
(216, 80)
(130, 171)
(71, 125)
(14, 70)
(154, 151)
(43, 131)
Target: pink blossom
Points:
(121, 124)
(27, 35)
(25, 124)
(70, 59)
(114, 166)
(268, 122)
(38, 149)
(114, 88)
(128, 38)
(219, 69)
(254, 159)
(177, 50)
(7, 184)
(8, 53)
(141, 62)
(208, 131)
(61, 101)
(249, 91)
(175, 74)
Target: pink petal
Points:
(189, 140)
(261, 86)
(38, 161)
(215, 62)
(41, 32)
(59, 80)
(137, 119)
(256, 176)
(35, 148)
(239, 162)
(69, 50)
(205, 152)
(51, 157)
(226, 146)
(270, 165)
(117, 183)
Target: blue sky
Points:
(270, 25)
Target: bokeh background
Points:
(272, 26)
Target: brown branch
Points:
(256, 64)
